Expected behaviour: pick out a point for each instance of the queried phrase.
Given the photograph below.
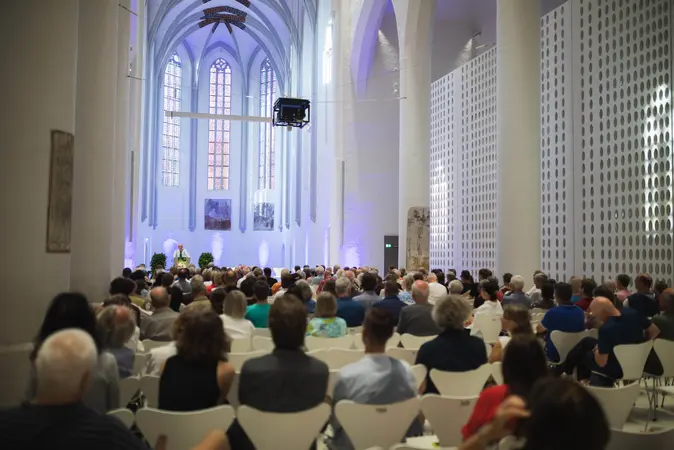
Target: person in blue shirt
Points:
(643, 300)
(566, 317)
(347, 308)
(391, 302)
(619, 328)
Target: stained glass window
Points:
(218, 129)
(268, 89)
(170, 165)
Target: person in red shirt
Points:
(524, 363)
(587, 287)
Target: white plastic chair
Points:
(405, 354)
(414, 342)
(149, 344)
(271, 431)
(237, 359)
(665, 351)
(183, 430)
(264, 332)
(336, 358)
(140, 362)
(489, 325)
(376, 425)
(332, 380)
(632, 359)
(358, 344)
(617, 402)
(320, 354)
(233, 394)
(564, 343)
(419, 371)
(497, 372)
(653, 438)
(263, 344)
(240, 345)
(149, 385)
(127, 389)
(124, 415)
(460, 384)
(316, 343)
(355, 330)
(438, 408)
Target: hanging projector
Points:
(292, 112)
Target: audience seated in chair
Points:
(233, 315)
(516, 294)
(326, 324)
(198, 376)
(488, 293)
(347, 308)
(587, 287)
(377, 379)
(454, 350)
(391, 303)
(115, 325)
(516, 321)
(287, 380)
(70, 310)
(158, 326)
(565, 317)
(58, 417)
(369, 297)
(643, 300)
(417, 319)
(524, 363)
(258, 313)
(199, 298)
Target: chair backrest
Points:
(240, 345)
(336, 358)
(332, 380)
(124, 415)
(319, 354)
(358, 343)
(376, 425)
(617, 402)
(149, 344)
(355, 330)
(405, 354)
(127, 389)
(140, 362)
(497, 372)
(653, 438)
(565, 342)
(265, 332)
(419, 371)
(237, 359)
(149, 385)
(438, 408)
(489, 325)
(665, 351)
(461, 383)
(414, 342)
(233, 393)
(632, 359)
(182, 429)
(263, 344)
(15, 366)
(316, 343)
(268, 430)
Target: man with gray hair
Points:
(199, 298)
(347, 308)
(417, 319)
(115, 325)
(516, 296)
(436, 290)
(57, 418)
(158, 326)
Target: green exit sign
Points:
(388, 245)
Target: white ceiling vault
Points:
(271, 27)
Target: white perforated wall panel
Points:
(556, 145)
(478, 162)
(623, 130)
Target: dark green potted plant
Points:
(205, 259)
(158, 260)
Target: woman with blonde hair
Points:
(516, 321)
(233, 317)
(325, 323)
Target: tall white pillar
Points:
(37, 87)
(518, 128)
(98, 207)
(415, 25)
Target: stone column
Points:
(518, 130)
(100, 147)
(415, 23)
(37, 87)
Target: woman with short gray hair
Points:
(115, 326)
(454, 350)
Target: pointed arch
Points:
(219, 130)
(267, 153)
(170, 167)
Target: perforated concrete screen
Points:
(623, 131)
(556, 145)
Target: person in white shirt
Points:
(491, 305)
(535, 286)
(157, 358)
(234, 310)
(535, 292)
(435, 289)
(181, 255)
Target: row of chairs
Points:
(366, 425)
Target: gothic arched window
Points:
(219, 129)
(170, 165)
(268, 89)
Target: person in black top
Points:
(57, 418)
(643, 300)
(270, 280)
(198, 376)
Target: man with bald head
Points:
(618, 328)
(158, 326)
(57, 418)
(436, 290)
(416, 319)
